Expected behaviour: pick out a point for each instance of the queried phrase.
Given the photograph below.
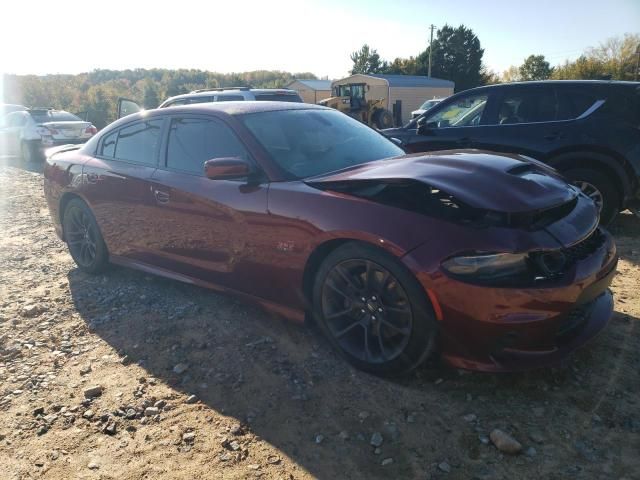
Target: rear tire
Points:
(83, 237)
(600, 187)
(393, 330)
(30, 153)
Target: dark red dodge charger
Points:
(493, 260)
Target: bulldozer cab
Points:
(351, 99)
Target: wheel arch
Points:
(609, 163)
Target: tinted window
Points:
(192, 141)
(278, 97)
(54, 116)
(527, 105)
(108, 148)
(463, 112)
(573, 103)
(200, 99)
(138, 142)
(175, 103)
(230, 98)
(311, 142)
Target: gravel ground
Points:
(129, 376)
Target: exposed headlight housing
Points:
(488, 267)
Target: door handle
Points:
(161, 197)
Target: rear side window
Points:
(622, 104)
(137, 143)
(278, 97)
(230, 98)
(573, 103)
(527, 106)
(199, 100)
(193, 141)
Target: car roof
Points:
(584, 83)
(228, 108)
(230, 91)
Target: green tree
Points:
(457, 56)
(367, 60)
(151, 97)
(535, 67)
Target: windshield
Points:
(54, 116)
(312, 142)
(428, 104)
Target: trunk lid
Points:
(68, 130)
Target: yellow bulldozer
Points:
(351, 99)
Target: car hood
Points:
(481, 180)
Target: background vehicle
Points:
(426, 106)
(207, 95)
(304, 209)
(28, 132)
(351, 99)
(7, 108)
(589, 130)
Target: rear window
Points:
(54, 116)
(278, 97)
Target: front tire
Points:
(373, 311)
(383, 119)
(83, 237)
(600, 188)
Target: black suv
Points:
(589, 130)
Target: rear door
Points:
(118, 189)
(127, 107)
(455, 123)
(207, 229)
(528, 120)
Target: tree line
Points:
(94, 95)
(457, 55)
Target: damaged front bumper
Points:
(513, 329)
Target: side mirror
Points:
(227, 168)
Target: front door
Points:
(207, 229)
(456, 123)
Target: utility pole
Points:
(431, 27)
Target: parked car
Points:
(429, 104)
(208, 95)
(588, 130)
(28, 133)
(493, 257)
(7, 108)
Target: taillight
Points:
(91, 130)
(47, 131)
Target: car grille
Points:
(552, 265)
(583, 249)
(574, 323)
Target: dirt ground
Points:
(195, 385)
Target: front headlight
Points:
(486, 267)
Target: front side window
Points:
(463, 112)
(305, 143)
(527, 106)
(193, 141)
(138, 143)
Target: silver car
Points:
(426, 106)
(29, 132)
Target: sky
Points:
(73, 36)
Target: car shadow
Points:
(285, 383)
(626, 228)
